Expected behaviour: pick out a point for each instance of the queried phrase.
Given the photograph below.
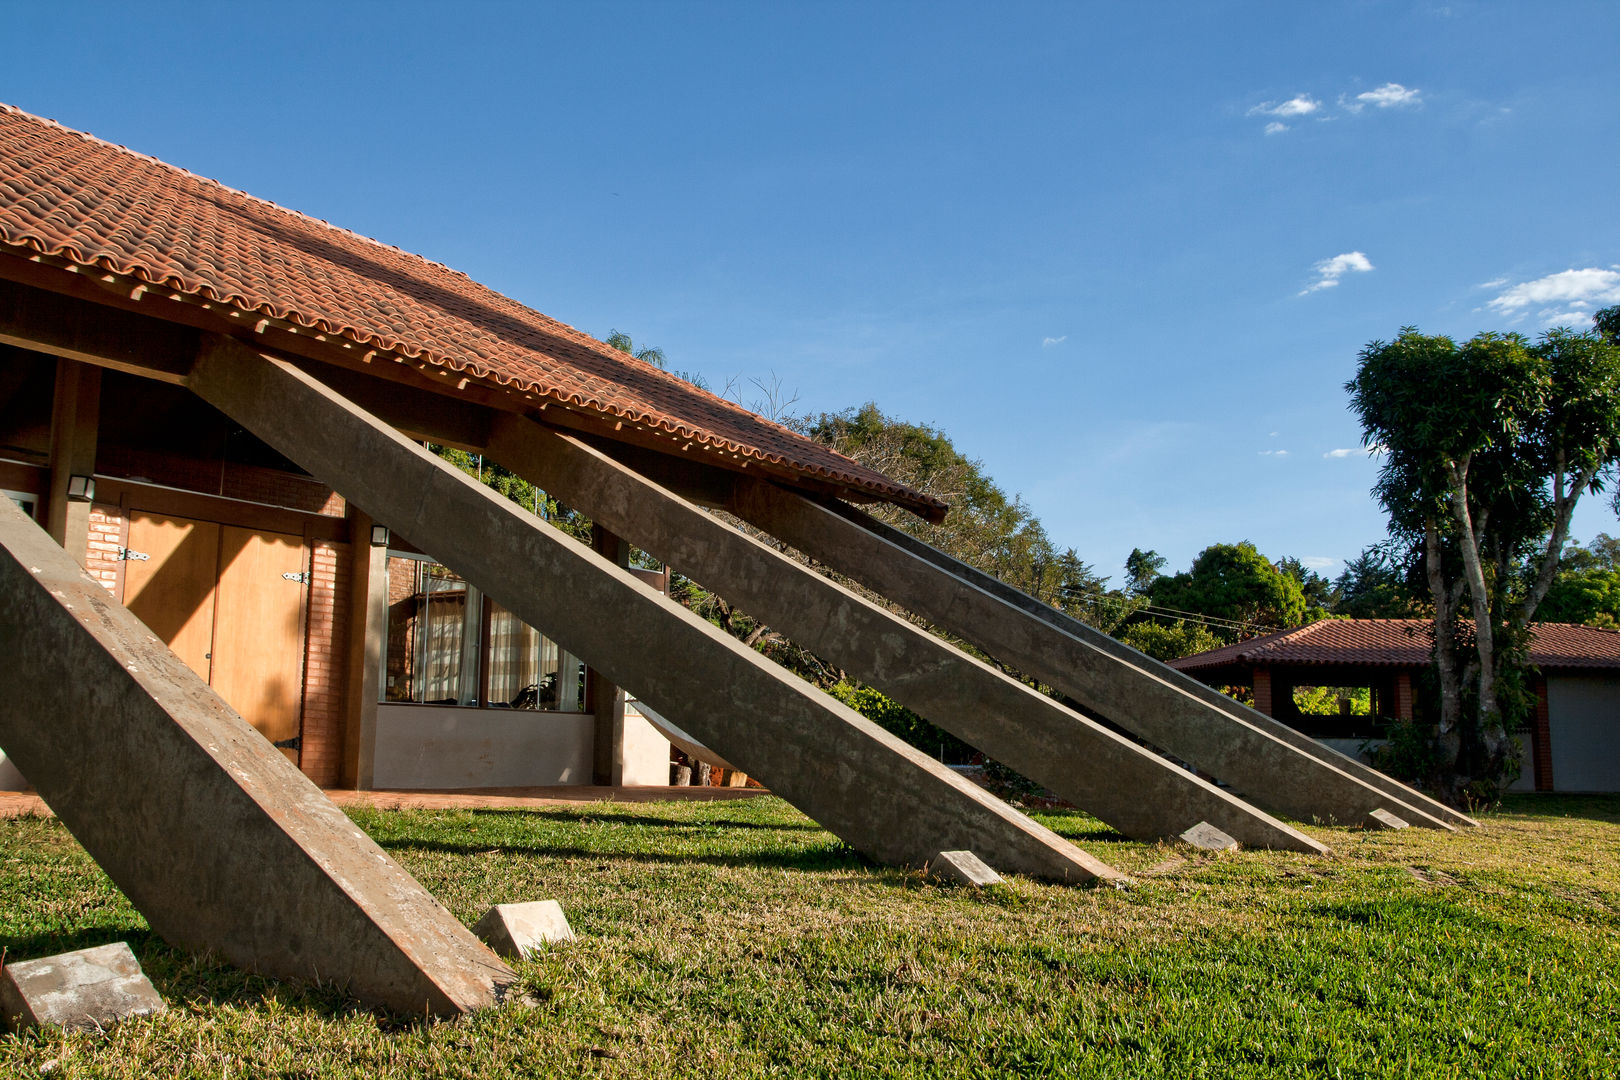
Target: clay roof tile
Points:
(67, 194)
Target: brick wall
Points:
(108, 533)
(325, 675)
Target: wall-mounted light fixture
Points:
(81, 488)
(379, 536)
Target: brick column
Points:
(1262, 690)
(1541, 738)
(1403, 695)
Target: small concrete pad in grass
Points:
(519, 930)
(1206, 836)
(963, 868)
(1383, 819)
(89, 988)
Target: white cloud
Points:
(1560, 299)
(1317, 562)
(1276, 127)
(1358, 451)
(1273, 453)
(1392, 96)
(1329, 271)
(1048, 342)
(1494, 283)
(1298, 105)
(1344, 452)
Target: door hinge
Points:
(302, 577)
(129, 554)
(294, 743)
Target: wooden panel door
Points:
(259, 629)
(172, 589)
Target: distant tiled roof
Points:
(1399, 642)
(68, 195)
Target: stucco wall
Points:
(430, 746)
(646, 752)
(1584, 715)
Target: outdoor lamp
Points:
(81, 488)
(379, 536)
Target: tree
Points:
(1168, 641)
(1236, 585)
(1321, 596)
(1587, 588)
(1376, 585)
(1142, 569)
(1489, 445)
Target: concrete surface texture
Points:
(240, 854)
(1383, 819)
(962, 868)
(88, 988)
(1136, 791)
(1206, 836)
(880, 795)
(1107, 679)
(519, 930)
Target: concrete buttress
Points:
(1136, 791)
(880, 795)
(219, 841)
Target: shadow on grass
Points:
(577, 817)
(1549, 804)
(827, 858)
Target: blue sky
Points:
(1124, 254)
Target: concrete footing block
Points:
(1206, 836)
(1383, 819)
(963, 868)
(89, 988)
(518, 930)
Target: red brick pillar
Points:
(1541, 738)
(1262, 690)
(1403, 695)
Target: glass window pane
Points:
(433, 635)
(529, 671)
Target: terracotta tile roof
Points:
(69, 195)
(1399, 642)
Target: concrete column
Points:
(75, 413)
(881, 796)
(216, 838)
(607, 700)
(368, 636)
(1267, 763)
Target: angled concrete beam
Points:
(213, 835)
(878, 794)
(1132, 789)
(1107, 679)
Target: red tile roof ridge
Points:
(1400, 642)
(459, 324)
(160, 163)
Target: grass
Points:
(738, 939)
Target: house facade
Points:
(1572, 743)
(363, 659)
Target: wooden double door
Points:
(230, 602)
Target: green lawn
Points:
(738, 939)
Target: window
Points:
(29, 503)
(448, 644)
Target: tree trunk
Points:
(1490, 710)
(1445, 646)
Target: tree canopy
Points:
(1488, 446)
